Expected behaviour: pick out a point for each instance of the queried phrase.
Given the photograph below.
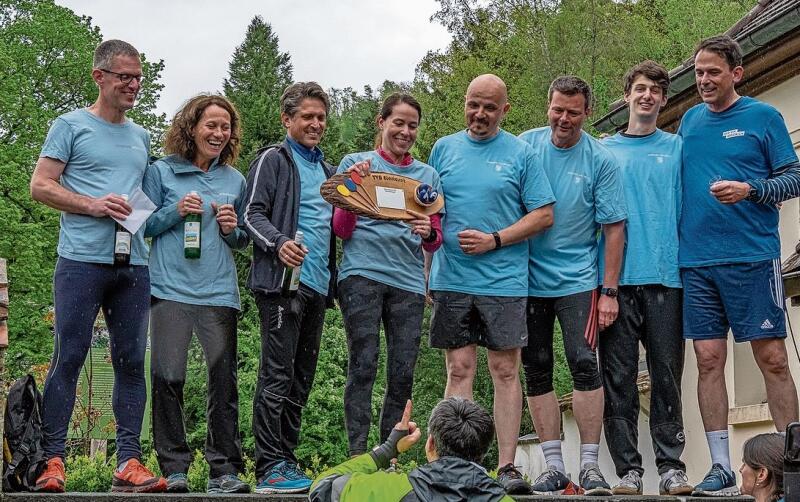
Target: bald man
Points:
(497, 196)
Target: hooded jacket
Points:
(448, 479)
(271, 214)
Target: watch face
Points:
(610, 292)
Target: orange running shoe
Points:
(136, 478)
(53, 478)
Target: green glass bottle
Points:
(122, 242)
(291, 275)
(192, 234)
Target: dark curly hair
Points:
(179, 138)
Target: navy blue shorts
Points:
(747, 298)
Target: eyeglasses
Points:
(125, 78)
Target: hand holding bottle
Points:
(191, 203)
(292, 253)
(226, 217)
(111, 204)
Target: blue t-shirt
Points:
(585, 181)
(314, 220)
(747, 141)
(210, 279)
(650, 170)
(387, 251)
(488, 185)
(100, 158)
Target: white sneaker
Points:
(630, 484)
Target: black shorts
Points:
(494, 322)
(577, 316)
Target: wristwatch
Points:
(752, 194)
(609, 292)
(497, 242)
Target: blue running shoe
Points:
(284, 478)
(717, 483)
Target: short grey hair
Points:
(105, 53)
(297, 92)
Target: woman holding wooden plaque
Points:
(381, 277)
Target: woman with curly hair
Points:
(762, 467)
(197, 294)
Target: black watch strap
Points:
(609, 292)
(497, 242)
(431, 236)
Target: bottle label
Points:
(295, 284)
(191, 234)
(122, 243)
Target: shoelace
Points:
(510, 471)
(631, 478)
(54, 469)
(678, 477)
(291, 472)
(138, 468)
(547, 475)
(593, 474)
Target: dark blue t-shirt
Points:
(747, 141)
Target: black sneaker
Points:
(227, 483)
(593, 482)
(550, 482)
(512, 480)
(177, 483)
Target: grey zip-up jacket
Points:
(271, 213)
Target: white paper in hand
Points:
(142, 208)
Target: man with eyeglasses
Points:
(90, 158)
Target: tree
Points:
(530, 42)
(257, 75)
(46, 54)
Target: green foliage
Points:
(90, 474)
(530, 42)
(46, 55)
(257, 75)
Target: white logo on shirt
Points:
(498, 166)
(733, 133)
(766, 324)
(280, 317)
(578, 177)
(660, 157)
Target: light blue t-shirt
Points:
(488, 185)
(314, 220)
(650, 170)
(387, 251)
(100, 158)
(749, 140)
(586, 184)
(210, 279)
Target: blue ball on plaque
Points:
(425, 195)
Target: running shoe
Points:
(593, 482)
(717, 483)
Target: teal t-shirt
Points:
(387, 251)
(100, 158)
(210, 279)
(749, 140)
(586, 184)
(650, 170)
(314, 220)
(488, 185)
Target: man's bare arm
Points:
(45, 188)
(476, 242)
